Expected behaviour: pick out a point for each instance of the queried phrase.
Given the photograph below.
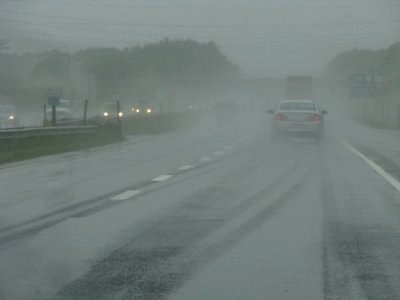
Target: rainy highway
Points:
(204, 214)
(199, 149)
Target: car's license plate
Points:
(296, 125)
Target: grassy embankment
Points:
(12, 150)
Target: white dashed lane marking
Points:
(126, 195)
(162, 178)
(130, 194)
(185, 168)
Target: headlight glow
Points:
(105, 114)
(148, 110)
(11, 117)
(120, 114)
(138, 110)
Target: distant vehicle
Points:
(110, 113)
(298, 117)
(63, 111)
(142, 108)
(299, 87)
(8, 118)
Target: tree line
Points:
(164, 63)
(385, 62)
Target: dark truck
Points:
(299, 88)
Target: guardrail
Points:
(131, 124)
(73, 122)
(47, 131)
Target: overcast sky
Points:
(264, 37)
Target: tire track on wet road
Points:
(357, 250)
(160, 260)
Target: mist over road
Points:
(214, 212)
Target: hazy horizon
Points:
(264, 38)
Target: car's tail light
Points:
(315, 118)
(280, 117)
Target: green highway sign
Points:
(54, 101)
(365, 85)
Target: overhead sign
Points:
(365, 85)
(54, 101)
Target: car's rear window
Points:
(297, 106)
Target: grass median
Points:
(17, 149)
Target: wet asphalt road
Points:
(222, 215)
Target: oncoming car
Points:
(142, 109)
(110, 113)
(8, 117)
(299, 118)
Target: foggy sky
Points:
(264, 37)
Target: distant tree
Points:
(109, 65)
(391, 69)
(173, 61)
(54, 65)
(391, 63)
(9, 74)
(146, 69)
(385, 62)
(3, 44)
(356, 61)
(185, 60)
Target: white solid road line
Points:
(205, 159)
(185, 168)
(376, 167)
(161, 178)
(126, 195)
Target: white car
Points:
(298, 117)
